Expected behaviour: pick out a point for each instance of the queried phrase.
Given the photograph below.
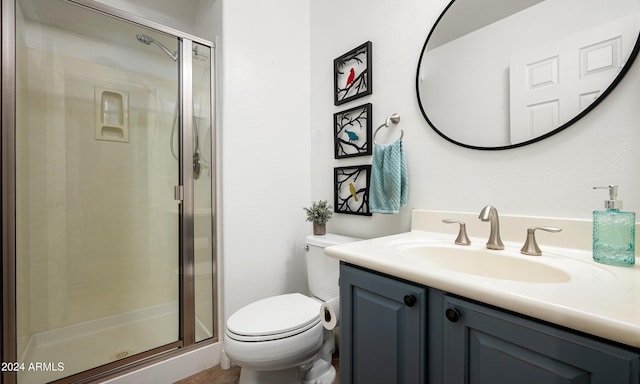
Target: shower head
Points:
(148, 40)
(144, 39)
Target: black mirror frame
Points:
(605, 93)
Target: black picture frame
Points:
(351, 189)
(352, 132)
(352, 74)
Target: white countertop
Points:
(599, 299)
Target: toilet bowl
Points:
(281, 339)
(288, 333)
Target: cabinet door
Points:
(486, 346)
(382, 329)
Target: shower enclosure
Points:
(108, 181)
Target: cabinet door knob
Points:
(452, 314)
(410, 300)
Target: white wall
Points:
(550, 178)
(265, 119)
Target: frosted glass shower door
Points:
(97, 226)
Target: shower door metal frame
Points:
(8, 105)
(186, 342)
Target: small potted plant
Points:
(319, 213)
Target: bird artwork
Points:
(352, 136)
(352, 189)
(350, 78)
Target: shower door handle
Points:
(178, 192)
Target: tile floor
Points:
(216, 375)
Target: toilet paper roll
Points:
(330, 312)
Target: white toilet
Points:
(281, 339)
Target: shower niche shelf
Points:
(111, 115)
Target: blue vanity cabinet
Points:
(483, 345)
(394, 331)
(382, 329)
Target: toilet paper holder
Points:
(327, 315)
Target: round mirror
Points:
(499, 74)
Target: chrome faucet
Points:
(490, 213)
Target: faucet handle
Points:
(462, 238)
(530, 246)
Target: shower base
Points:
(66, 351)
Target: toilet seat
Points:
(279, 317)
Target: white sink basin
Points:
(502, 265)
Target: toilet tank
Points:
(322, 270)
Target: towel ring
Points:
(395, 119)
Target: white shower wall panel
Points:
(102, 222)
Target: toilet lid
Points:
(275, 315)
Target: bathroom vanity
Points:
(415, 308)
(394, 331)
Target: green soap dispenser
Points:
(614, 232)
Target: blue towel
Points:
(389, 181)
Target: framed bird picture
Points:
(351, 189)
(352, 74)
(352, 132)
